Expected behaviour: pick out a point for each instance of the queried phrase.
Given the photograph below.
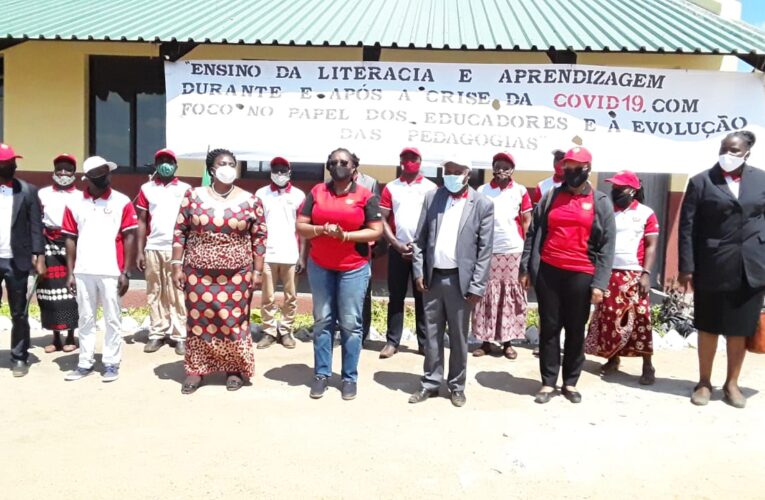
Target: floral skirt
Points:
(218, 324)
(621, 324)
(501, 315)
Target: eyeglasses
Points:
(335, 163)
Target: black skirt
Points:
(58, 306)
(735, 313)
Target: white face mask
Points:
(280, 180)
(226, 174)
(454, 183)
(63, 180)
(729, 162)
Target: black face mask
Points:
(621, 198)
(7, 171)
(339, 173)
(575, 178)
(100, 182)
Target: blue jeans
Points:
(338, 298)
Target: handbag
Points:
(756, 343)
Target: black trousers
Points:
(400, 274)
(16, 285)
(564, 302)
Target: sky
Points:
(753, 12)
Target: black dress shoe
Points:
(543, 397)
(180, 348)
(458, 398)
(572, 396)
(19, 368)
(153, 345)
(422, 395)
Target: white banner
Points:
(646, 120)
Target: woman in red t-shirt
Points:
(341, 218)
(568, 254)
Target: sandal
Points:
(483, 350)
(50, 349)
(70, 347)
(611, 366)
(234, 382)
(191, 384)
(509, 352)
(649, 376)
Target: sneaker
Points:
(111, 373)
(78, 373)
(288, 341)
(349, 390)
(319, 386)
(266, 341)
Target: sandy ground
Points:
(140, 438)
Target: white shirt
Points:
(280, 208)
(163, 202)
(632, 226)
(99, 225)
(547, 184)
(733, 184)
(445, 253)
(404, 200)
(54, 200)
(509, 204)
(6, 214)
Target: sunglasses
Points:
(335, 163)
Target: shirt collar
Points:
(416, 180)
(67, 189)
(157, 180)
(460, 196)
(331, 187)
(733, 177)
(286, 188)
(495, 185)
(8, 184)
(105, 195)
(632, 206)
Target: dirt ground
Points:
(140, 438)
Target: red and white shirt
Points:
(54, 200)
(404, 200)
(544, 186)
(510, 204)
(632, 226)
(99, 224)
(280, 207)
(162, 202)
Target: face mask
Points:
(729, 162)
(454, 183)
(7, 171)
(339, 173)
(166, 170)
(100, 182)
(280, 180)
(621, 198)
(410, 167)
(63, 180)
(226, 174)
(575, 178)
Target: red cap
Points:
(578, 154)
(279, 160)
(410, 150)
(625, 178)
(503, 156)
(7, 153)
(165, 152)
(65, 157)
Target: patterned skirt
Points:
(218, 304)
(58, 307)
(621, 324)
(501, 315)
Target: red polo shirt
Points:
(352, 211)
(569, 225)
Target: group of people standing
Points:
(470, 256)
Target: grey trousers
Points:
(444, 304)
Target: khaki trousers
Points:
(274, 274)
(167, 307)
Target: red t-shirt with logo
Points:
(352, 211)
(569, 225)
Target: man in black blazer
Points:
(451, 256)
(22, 248)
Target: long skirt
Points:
(501, 314)
(621, 324)
(58, 306)
(218, 325)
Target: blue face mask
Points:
(454, 183)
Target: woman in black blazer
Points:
(722, 255)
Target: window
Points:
(300, 171)
(2, 99)
(127, 110)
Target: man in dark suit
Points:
(21, 247)
(452, 257)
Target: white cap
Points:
(459, 161)
(97, 161)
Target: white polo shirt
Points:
(544, 186)
(54, 200)
(280, 207)
(6, 214)
(404, 200)
(99, 225)
(509, 204)
(445, 252)
(163, 202)
(632, 226)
